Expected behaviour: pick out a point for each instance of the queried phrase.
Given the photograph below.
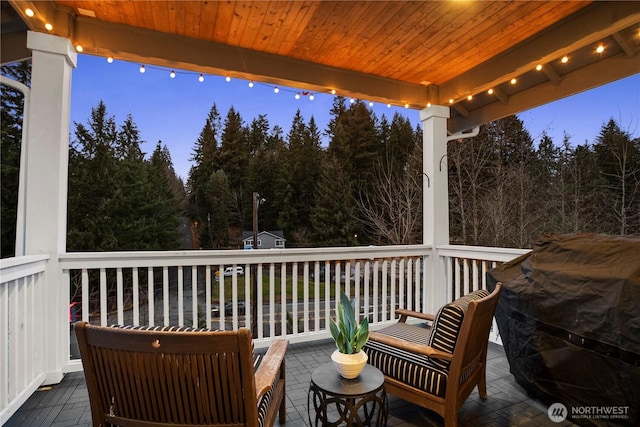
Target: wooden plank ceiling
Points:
(399, 52)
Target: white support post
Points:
(45, 186)
(435, 200)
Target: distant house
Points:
(266, 239)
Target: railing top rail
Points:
(22, 266)
(481, 252)
(72, 260)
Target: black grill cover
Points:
(569, 319)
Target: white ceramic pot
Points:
(349, 365)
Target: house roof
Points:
(279, 234)
(404, 53)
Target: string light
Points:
(201, 78)
(297, 96)
(370, 104)
(251, 83)
(228, 79)
(276, 90)
(172, 74)
(490, 91)
(600, 48)
(388, 105)
(333, 91)
(469, 98)
(406, 105)
(110, 59)
(538, 67)
(514, 81)
(351, 101)
(142, 69)
(311, 97)
(564, 59)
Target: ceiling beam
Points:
(177, 52)
(597, 74)
(588, 26)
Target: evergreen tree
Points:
(334, 218)
(207, 160)
(11, 116)
(117, 199)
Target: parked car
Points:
(228, 272)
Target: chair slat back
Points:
(162, 377)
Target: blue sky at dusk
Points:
(174, 110)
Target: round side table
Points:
(337, 401)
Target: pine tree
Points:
(207, 160)
(334, 217)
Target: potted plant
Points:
(349, 337)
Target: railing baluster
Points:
(103, 297)
(119, 296)
(136, 296)
(165, 295)
(180, 297)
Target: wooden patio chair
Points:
(180, 377)
(437, 367)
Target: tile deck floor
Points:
(67, 403)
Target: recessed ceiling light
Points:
(29, 12)
(86, 12)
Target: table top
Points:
(327, 378)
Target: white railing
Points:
(22, 349)
(296, 291)
(466, 270)
(296, 288)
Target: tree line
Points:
(364, 187)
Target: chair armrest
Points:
(270, 366)
(410, 346)
(409, 313)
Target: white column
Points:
(435, 200)
(45, 186)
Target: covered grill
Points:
(569, 319)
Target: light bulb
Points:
(600, 48)
(513, 81)
(311, 97)
(406, 105)
(228, 79)
(142, 70)
(297, 96)
(370, 104)
(388, 105)
(450, 100)
(172, 74)
(333, 91)
(79, 48)
(428, 104)
(29, 12)
(110, 59)
(490, 91)
(469, 98)
(539, 67)
(564, 59)
(201, 78)
(352, 100)
(48, 26)
(250, 84)
(276, 90)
